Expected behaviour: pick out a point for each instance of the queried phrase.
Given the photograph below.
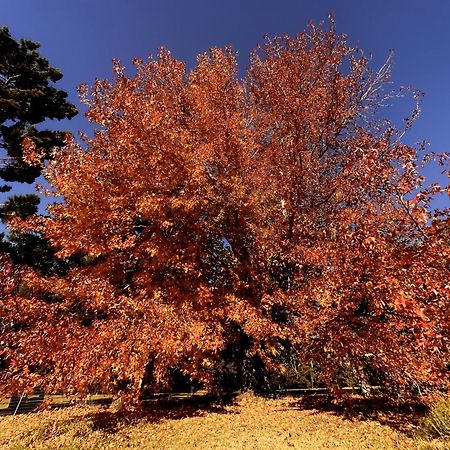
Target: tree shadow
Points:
(156, 411)
(402, 417)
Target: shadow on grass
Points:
(159, 410)
(402, 417)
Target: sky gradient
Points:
(81, 37)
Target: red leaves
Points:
(209, 206)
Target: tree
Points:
(268, 213)
(28, 97)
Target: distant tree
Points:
(223, 219)
(28, 97)
(20, 205)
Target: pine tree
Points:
(28, 98)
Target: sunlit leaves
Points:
(208, 206)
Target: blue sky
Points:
(82, 36)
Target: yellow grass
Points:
(250, 423)
(4, 403)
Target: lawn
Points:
(247, 423)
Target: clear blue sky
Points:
(82, 36)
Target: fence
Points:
(28, 403)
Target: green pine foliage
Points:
(28, 97)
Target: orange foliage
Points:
(206, 206)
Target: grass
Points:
(436, 423)
(248, 423)
(4, 403)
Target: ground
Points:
(247, 423)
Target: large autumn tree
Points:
(213, 216)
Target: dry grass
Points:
(248, 423)
(437, 422)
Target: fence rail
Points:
(28, 403)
